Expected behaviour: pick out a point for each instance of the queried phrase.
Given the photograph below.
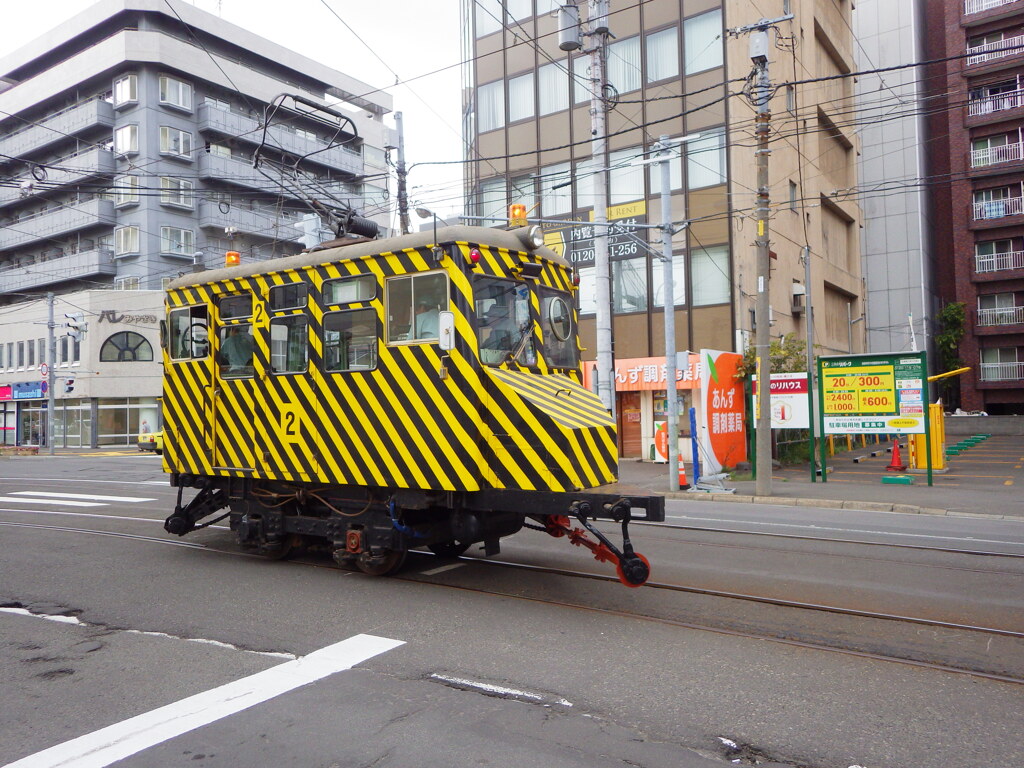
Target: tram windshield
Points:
(504, 324)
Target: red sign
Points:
(722, 410)
(647, 373)
(5, 392)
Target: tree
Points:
(787, 354)
(949, 323)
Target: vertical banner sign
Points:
(789, 402)
(723, 438)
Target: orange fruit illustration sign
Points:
(725, 409)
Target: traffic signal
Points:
(76, 325)
(69, 385)
(517, 215)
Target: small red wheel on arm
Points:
(634, 572)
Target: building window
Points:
(126, 240)
(625, 181)
(520, 97)
(31, 353)
(519, 9)
(709, 271)
(126, 190)
(629, 285)
(21, 354)
(581, 79)
(492, 198)
(678, 281)
(791, 98)
(126, 139)
(490, 106)
(177, 241)
(175, 93)
(663, 55)
(488, 16)
(794, 195)
(553, 87)
(41, 345)
(176, 192)
(126, 90)
(522, 192)
(702, 42)
(624, 64)
(128, 283)
(705, 159)
(126, 347)
(175, 142)
(220, 150)
(556, 189)
(350, 340)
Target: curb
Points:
(863, 506)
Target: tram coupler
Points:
(183, 520)
(633, 569)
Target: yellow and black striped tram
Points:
(384, 395)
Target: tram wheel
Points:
(287, 546)
(381, 565)
(448, 549)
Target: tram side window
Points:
(288, 347)
(414, 304)
(558, 328)
(236, 349)
(347, 290)
(233, 307)
(350, 340)
(288, 296)
(189, 333)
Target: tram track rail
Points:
(421, 579)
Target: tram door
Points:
(234, 383)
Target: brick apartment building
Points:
(975, 103)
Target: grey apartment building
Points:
(126, 142)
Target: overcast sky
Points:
(412, 37)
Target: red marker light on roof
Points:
(475, 255)
(575, 278)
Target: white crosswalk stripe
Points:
(81, 496)
(65, 502)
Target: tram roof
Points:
(513, 240)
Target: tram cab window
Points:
(236, 350)
(504, 325)
(288, 347)
(289, 296)
(234, 307)
(414, 304)
(558, 328)
(347, 290)
(350, 340)
(189, 334)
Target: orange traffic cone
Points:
(683, 484)
(896, 465)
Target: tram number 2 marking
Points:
(290, 423)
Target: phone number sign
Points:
(873, 394)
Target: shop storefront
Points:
(641, 403)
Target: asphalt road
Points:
(481, 664)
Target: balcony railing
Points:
(977, 6)
(270, 224)
(997, 209)
(996, 262)
(1002, 371)
(58, 127)
(75, 266)
(993, 155)
(1001, 316)
(248, 129)
(64, 170)
(55, 223)
(997, 102)
(995, 50)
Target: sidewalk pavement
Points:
(987, 479)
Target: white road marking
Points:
(100, 516)
(64, 480)
(498, 690)
(17, 500)
(121, 740)
(442, 569)
(83, 496)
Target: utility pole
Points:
(51, 346)
(403, 194)
(598, 19)
(761, 96)
(668, 289)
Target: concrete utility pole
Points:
(403, 194)
(51, 346)
(598, 152)
(760, 96)
(668, 289)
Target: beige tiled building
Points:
(673, 69)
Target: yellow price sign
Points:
(864, 389)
